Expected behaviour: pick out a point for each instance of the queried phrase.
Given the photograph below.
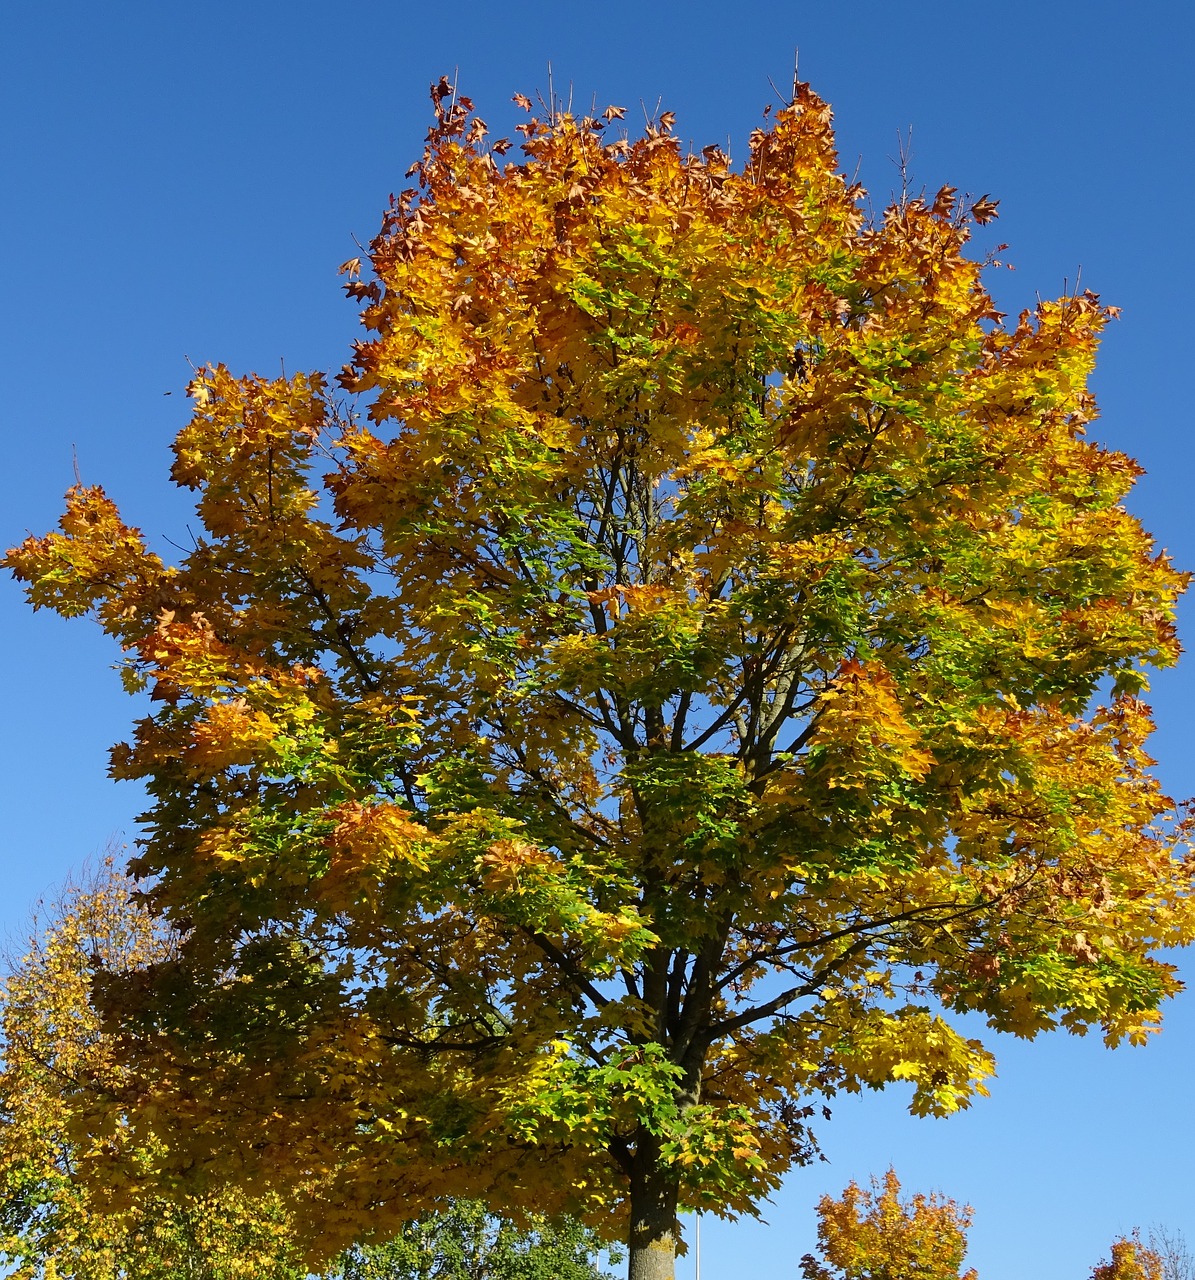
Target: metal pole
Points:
(697, 1243)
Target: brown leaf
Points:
(944, 201)
(984, 210)
(521, 100)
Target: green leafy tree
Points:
(466, 1242)
(708, 661)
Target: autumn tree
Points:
(875, 1235)
(55, 1051)
(698, 656)
(1131, 1260)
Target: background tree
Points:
(467, 1242)
(55, 1052)
(1171, 1246)
(1131, 1260)
(712, 661)
(874, 1235)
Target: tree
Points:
(55, 1051)
(1175, 1254)
(709, 660)
(874, 1235)
(1131, 1260)
(466, 1242)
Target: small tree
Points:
(874, 1235)
(710, 661)
(1131, 1260)
(1171, 1246)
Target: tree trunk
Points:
(652, 1254)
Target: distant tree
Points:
(1131, 1260)
(1171, 1246)
(703, 660)
(875, 1235)
(466, 1242)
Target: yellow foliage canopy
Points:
(874, 1235)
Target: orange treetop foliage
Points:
(1131, 1260)
(875, 1236)
(711, 661)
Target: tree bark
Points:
(652, 1253)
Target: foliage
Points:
(712, 661)
(874, 1235)
(465, 1242)
(55, 1051)
(1131, 1260)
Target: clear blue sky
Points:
(182, 182)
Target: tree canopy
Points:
(1131, 1260)
(698, 654)
(875, 1235)
(878, 1235)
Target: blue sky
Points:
(182, 182)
